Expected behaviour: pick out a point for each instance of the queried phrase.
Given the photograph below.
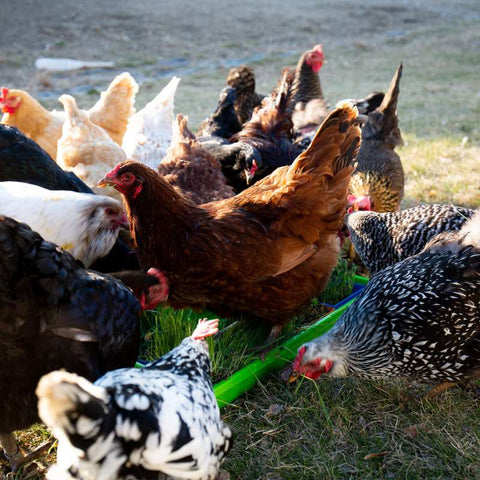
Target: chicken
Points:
(111, 112)
(242, 79)
(418, 319)
(265, 252)
(269, 132)
(85, 148)
(56, 314)
(158, 421)
(85, 225)
(383, 239)
(191, 170)
(22, 160)
(223, 122)
(310, 107)
(378, 182)
(149, 131)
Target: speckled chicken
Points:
(419, 318)
(191, 170)
(242, 78)
(56, 314)
(161, 421)
(382, 239)
(378, 182)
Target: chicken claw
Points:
(205, 328)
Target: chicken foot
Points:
(16, 456)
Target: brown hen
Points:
(191, 169)
(265, 252)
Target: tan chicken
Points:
(191, 169)
(85, 148)
(111, 112)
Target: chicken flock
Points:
(246, 216)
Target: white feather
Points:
(149, 131)
(74, 221)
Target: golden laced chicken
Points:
(242, 79)
(111, 112)
(85, 148)
(378, 181)
(191, 170)
(265, 252)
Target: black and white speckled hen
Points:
(378, 181)
(382, 239)
(419, 318)
(159, 422)
(56, 314)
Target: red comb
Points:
(4, 95)
(115, 170)
(299, 357)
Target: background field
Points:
(323, 430)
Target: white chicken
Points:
(161, 421)
(149, 131)
(85, 225)
(85, 148)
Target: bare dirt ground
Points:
(200, 41)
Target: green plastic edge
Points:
(241, 381)
(244, 379)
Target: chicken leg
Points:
(16, 456)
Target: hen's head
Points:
(315, 58)
(310, 364)
(128, 178)
(359, 203)
(9, 100)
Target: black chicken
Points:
(56, 314)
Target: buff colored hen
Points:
(111, 112)
(85, 148)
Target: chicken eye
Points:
(110, 211)
(127, 177)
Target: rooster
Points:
(56, 314)
(419, 318)
(191, 170)
(85, 225)
(111, 112)
(242, 79)
(162, 420)
(149, 131)
(382, 239)
(265, 252)
(378, 182)
(85, 148)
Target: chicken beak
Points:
(248, 177)
(106, 182)
(293, 377)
